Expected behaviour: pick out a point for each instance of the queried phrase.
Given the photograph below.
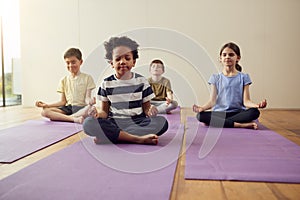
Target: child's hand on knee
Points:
(41, 104)
(262, 104)
(93, 112)
(197, 108)
(168, 101)
(152, 111)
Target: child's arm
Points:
(169, 97)
(149, 110)
(210, 103)
(62, 102)
(247, 101)
(88, 99)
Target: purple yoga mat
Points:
(241, 154)
(174, 116)
(31, 136)
(88, 171)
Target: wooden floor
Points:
(284, 122)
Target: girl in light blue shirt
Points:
(230, 97)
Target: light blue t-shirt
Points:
(229, 91)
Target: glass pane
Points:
(11, 98)
(10, 53)
(13, 84)
(1, 93)
(1, 64)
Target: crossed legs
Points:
(243, 119)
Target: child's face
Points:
(156, 69)
(122, 60)
(73, 64)
(229, 58)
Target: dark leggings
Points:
(109, 129)
(227, 119)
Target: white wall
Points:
(267, 32)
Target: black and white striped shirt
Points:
(125, 97)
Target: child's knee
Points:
(45, 112)
(163, 124)
(255, 112)
(89, 125)
(198, 116)
(175, 104)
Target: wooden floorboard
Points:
(284, 122)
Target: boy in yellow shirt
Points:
(75, 90)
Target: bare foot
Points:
(251, 125)
(148, 139)
(97, 140)
(79, 120)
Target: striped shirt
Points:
(125, 97)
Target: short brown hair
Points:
(73, 52)
(157, 61)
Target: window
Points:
(10, 76)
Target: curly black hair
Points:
(121, 41)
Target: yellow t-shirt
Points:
(75, 88)
(160, 88)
